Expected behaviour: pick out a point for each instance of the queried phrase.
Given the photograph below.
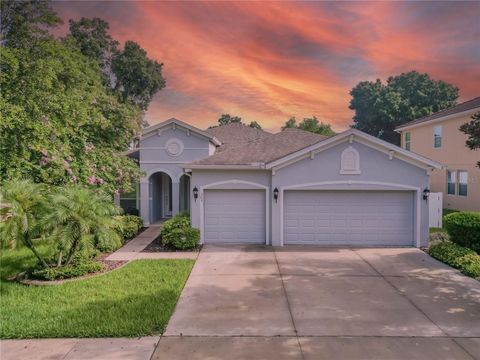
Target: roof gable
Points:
(175, 122)
(352, 135)
(465, 107)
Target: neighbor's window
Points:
(407, 141)
(437, 136)
(462, 183)
(451, 182)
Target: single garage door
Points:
(374, 218)
(234, 216)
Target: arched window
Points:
(350, 162)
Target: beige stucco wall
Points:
(454, 155)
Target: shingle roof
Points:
(465, 106)
(236, 133)
(262, 150)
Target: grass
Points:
(135, 300)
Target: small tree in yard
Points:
(22, 206)
(472, 129)
(75, 217)
(80, 218)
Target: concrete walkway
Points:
(76, 349)
(323, 303)
(133, 249)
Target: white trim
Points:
(223, 167)
(362, 138)
(146, 178)
(163, 148)
(161, 162)
(308, 186)
(175, 123)
(440, 119)
(214, 185)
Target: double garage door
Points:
(363, 218)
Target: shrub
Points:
(470, 265)
(78, 268)
(182, 238)
(177, 222)
(178, 233)
(437, 237)
(464, 229)
(462, 258)
(130, 226)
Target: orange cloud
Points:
(267, 61)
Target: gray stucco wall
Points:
(155, 158)
(375, 166)
(377, 170)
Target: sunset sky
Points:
(268, 61)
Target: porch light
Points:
(275, 194)
(195, 193)
(426, 192)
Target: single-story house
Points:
(245, 185)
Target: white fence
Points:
(435, 206)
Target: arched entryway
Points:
(184, 193)
(160, 190)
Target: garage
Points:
(235, 216)
(371, 218)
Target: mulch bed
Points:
(107, 266)
(156, 246)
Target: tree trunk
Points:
(73, 248)
(60, 256)
(29, 244)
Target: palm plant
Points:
(22, 205)
(80, 218)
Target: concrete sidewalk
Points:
(133, 249)
(77, 349)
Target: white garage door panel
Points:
(235, 216)
(380, 218)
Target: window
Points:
(128, 202)
(462, 182)
(407, 141)
(451, 182)
(437, 136)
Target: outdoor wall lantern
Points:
(275, 194)
(195, 193)
(426, 192)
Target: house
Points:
(438, 137)
(244, 185)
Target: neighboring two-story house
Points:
(438, 137)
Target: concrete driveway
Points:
(323, 303)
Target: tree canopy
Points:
(380, 108)
(62, 123)
(24, 21)
(310, 124)
(226, 119)
(472, 130)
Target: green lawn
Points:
(135, 300)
